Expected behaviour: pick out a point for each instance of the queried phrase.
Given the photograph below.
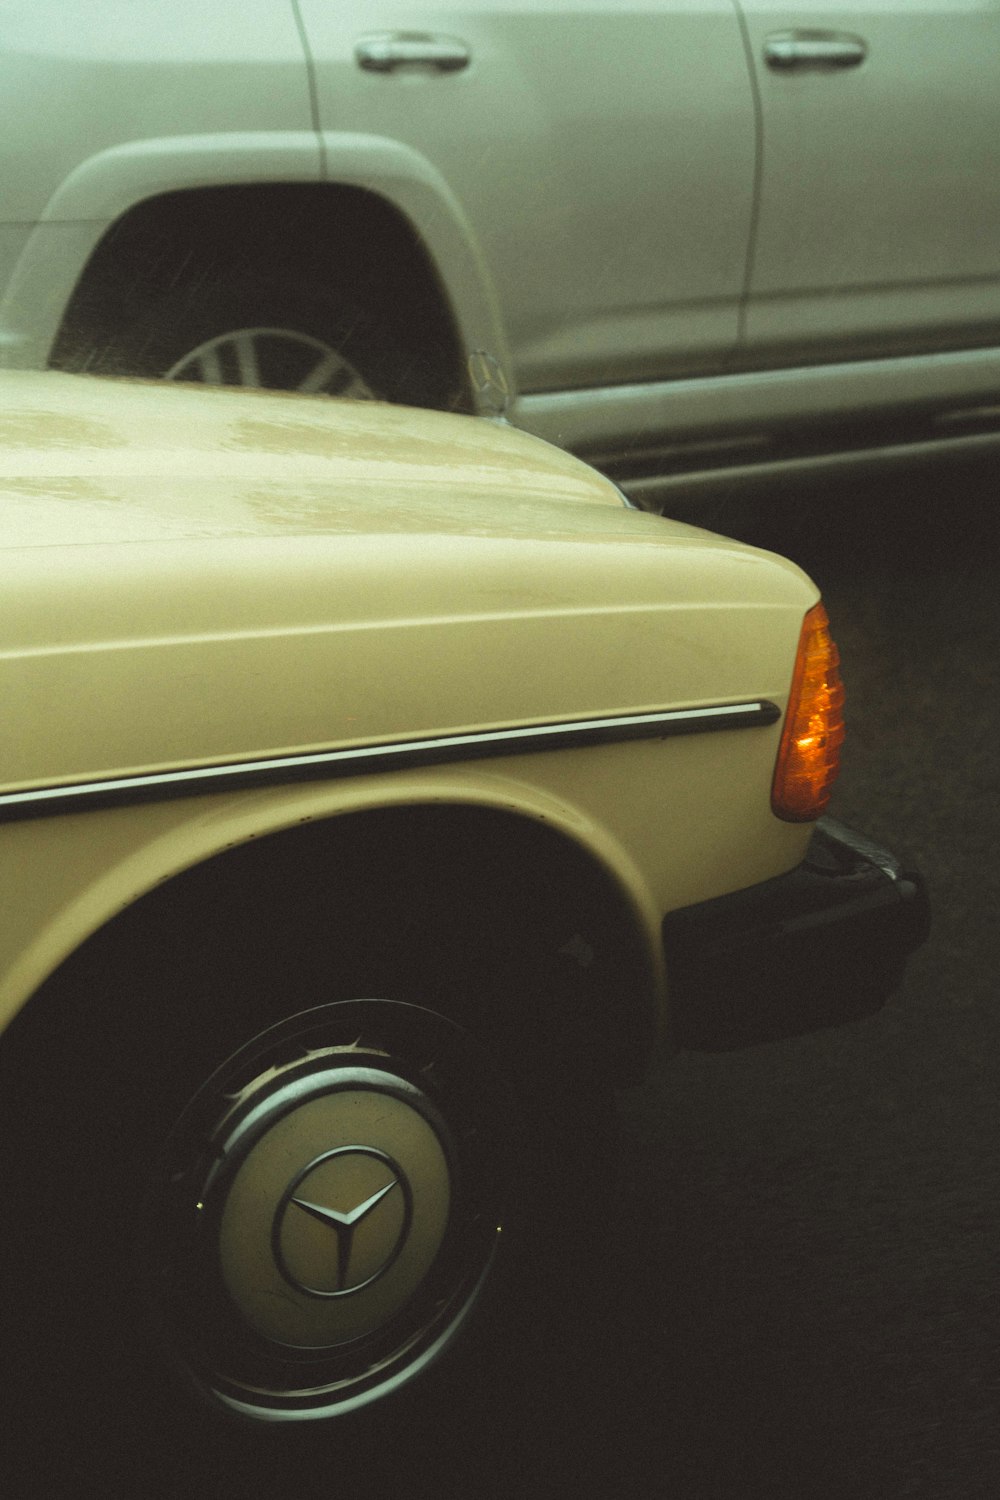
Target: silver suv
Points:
(698, 240)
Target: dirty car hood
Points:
(88, 461)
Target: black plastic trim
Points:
(823, 944)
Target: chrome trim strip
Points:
(367, 759)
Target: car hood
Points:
(197, 577)
(97, 461)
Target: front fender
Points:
(63, 878)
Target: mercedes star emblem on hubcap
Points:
(342, 1221)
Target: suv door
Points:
(603, 156)
(879, 228)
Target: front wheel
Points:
(326, 1211)
(208, 1261)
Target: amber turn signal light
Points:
(809, 754)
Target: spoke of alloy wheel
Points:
(320, 373)
(246, 359)
(356, 387)
(320, 377)
(210, 367)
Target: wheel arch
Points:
(139, 203)
(455, 893)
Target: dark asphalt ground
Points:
(792, 1290)
(823, 1211)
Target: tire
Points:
(141, 1094)
(242, 1253)
(250, 333)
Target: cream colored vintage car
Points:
(377, 787)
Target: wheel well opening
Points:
(492, 918)
(347, 243)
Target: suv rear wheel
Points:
(249, 333)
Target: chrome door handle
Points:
(389, 50)
(820, 51)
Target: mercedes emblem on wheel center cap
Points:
(332, 1204)
(342, 1221)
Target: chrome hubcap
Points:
(328, 1210)
(337, 1211)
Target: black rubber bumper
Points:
(824, 944)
